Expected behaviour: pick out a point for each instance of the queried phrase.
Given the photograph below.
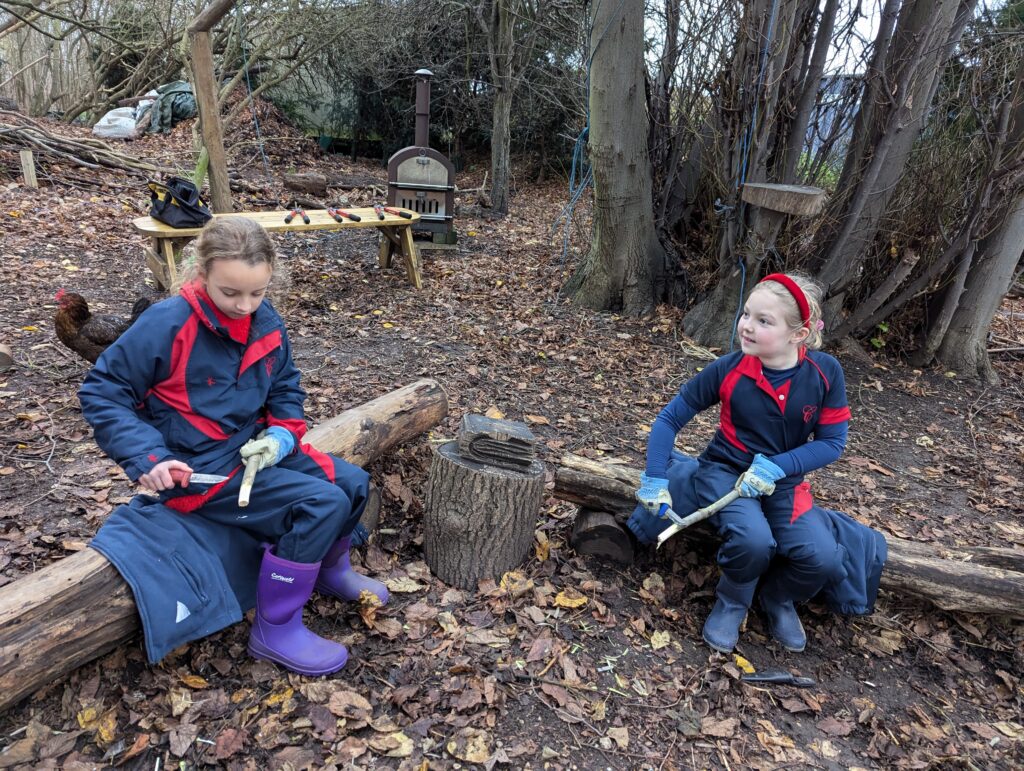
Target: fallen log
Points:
(974, 579)
(78, 608)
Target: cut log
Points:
(78, 608)
(971, 579)
(478, 520)
(309, 182)
(598, 534)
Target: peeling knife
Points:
(179, 476)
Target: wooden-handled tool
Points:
(252, 465)
(681, 523)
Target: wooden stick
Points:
(28, 168)
(252, 465)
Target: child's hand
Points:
(653, 493)
(269, 446)
(159, 477)
(759, 479)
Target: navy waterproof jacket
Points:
(176, 385)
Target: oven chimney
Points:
(423, 107)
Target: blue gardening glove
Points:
(653, 493)
(269, 446)
(759, 479)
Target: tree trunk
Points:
(478, 520)
(964, 345)
(625, 267)
(900, 87)
(78, 608)
(501, 140)
(975, 580)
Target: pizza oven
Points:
(422, 179)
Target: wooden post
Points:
(478, 520)
(78, 608)
(28, 168)
(209, 119)
(208, 102)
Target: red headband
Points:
(795, 290)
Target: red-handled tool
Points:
(336, 213)
(333, 213)
(399, 212)
(296, 213)
(380, 211)
(184, 478)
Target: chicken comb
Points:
(59, 295)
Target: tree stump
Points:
(479, 520)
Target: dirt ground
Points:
(581, 664)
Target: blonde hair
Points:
(814, 293)
(227, 238)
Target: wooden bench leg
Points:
(158, 268)
(389, 241)
(412, 261)
(167, 246)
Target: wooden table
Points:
(396, 235)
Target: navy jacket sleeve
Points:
(696, 395)
(286, 398)
(118, 384)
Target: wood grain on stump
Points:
(479, 520)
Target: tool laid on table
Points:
(339, 213)
(380, 211)
(252, 465)
(681, 523)
(399, 212)
(180, 476)
(296, 213)
(778, 677)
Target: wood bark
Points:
(311, 182)
(971, 579)
(625, 267)
(478, 520)
(78, 608)
(599, 534)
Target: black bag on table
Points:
(176, 202)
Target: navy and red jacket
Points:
(756, 417)
(177, 385)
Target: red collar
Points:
(238, 329)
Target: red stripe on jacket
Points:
(186, 504)
(802, 501)
(296, 425)
(174, 391)
(258, 349)
(831, 415)
(725, 423)
(322, 459)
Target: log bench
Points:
(166, 242)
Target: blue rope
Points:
(248, 84)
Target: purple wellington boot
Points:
(278, 633)
(338, 579)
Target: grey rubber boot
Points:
(722, 628)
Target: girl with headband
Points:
(776, 392)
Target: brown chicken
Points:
(86, 334)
